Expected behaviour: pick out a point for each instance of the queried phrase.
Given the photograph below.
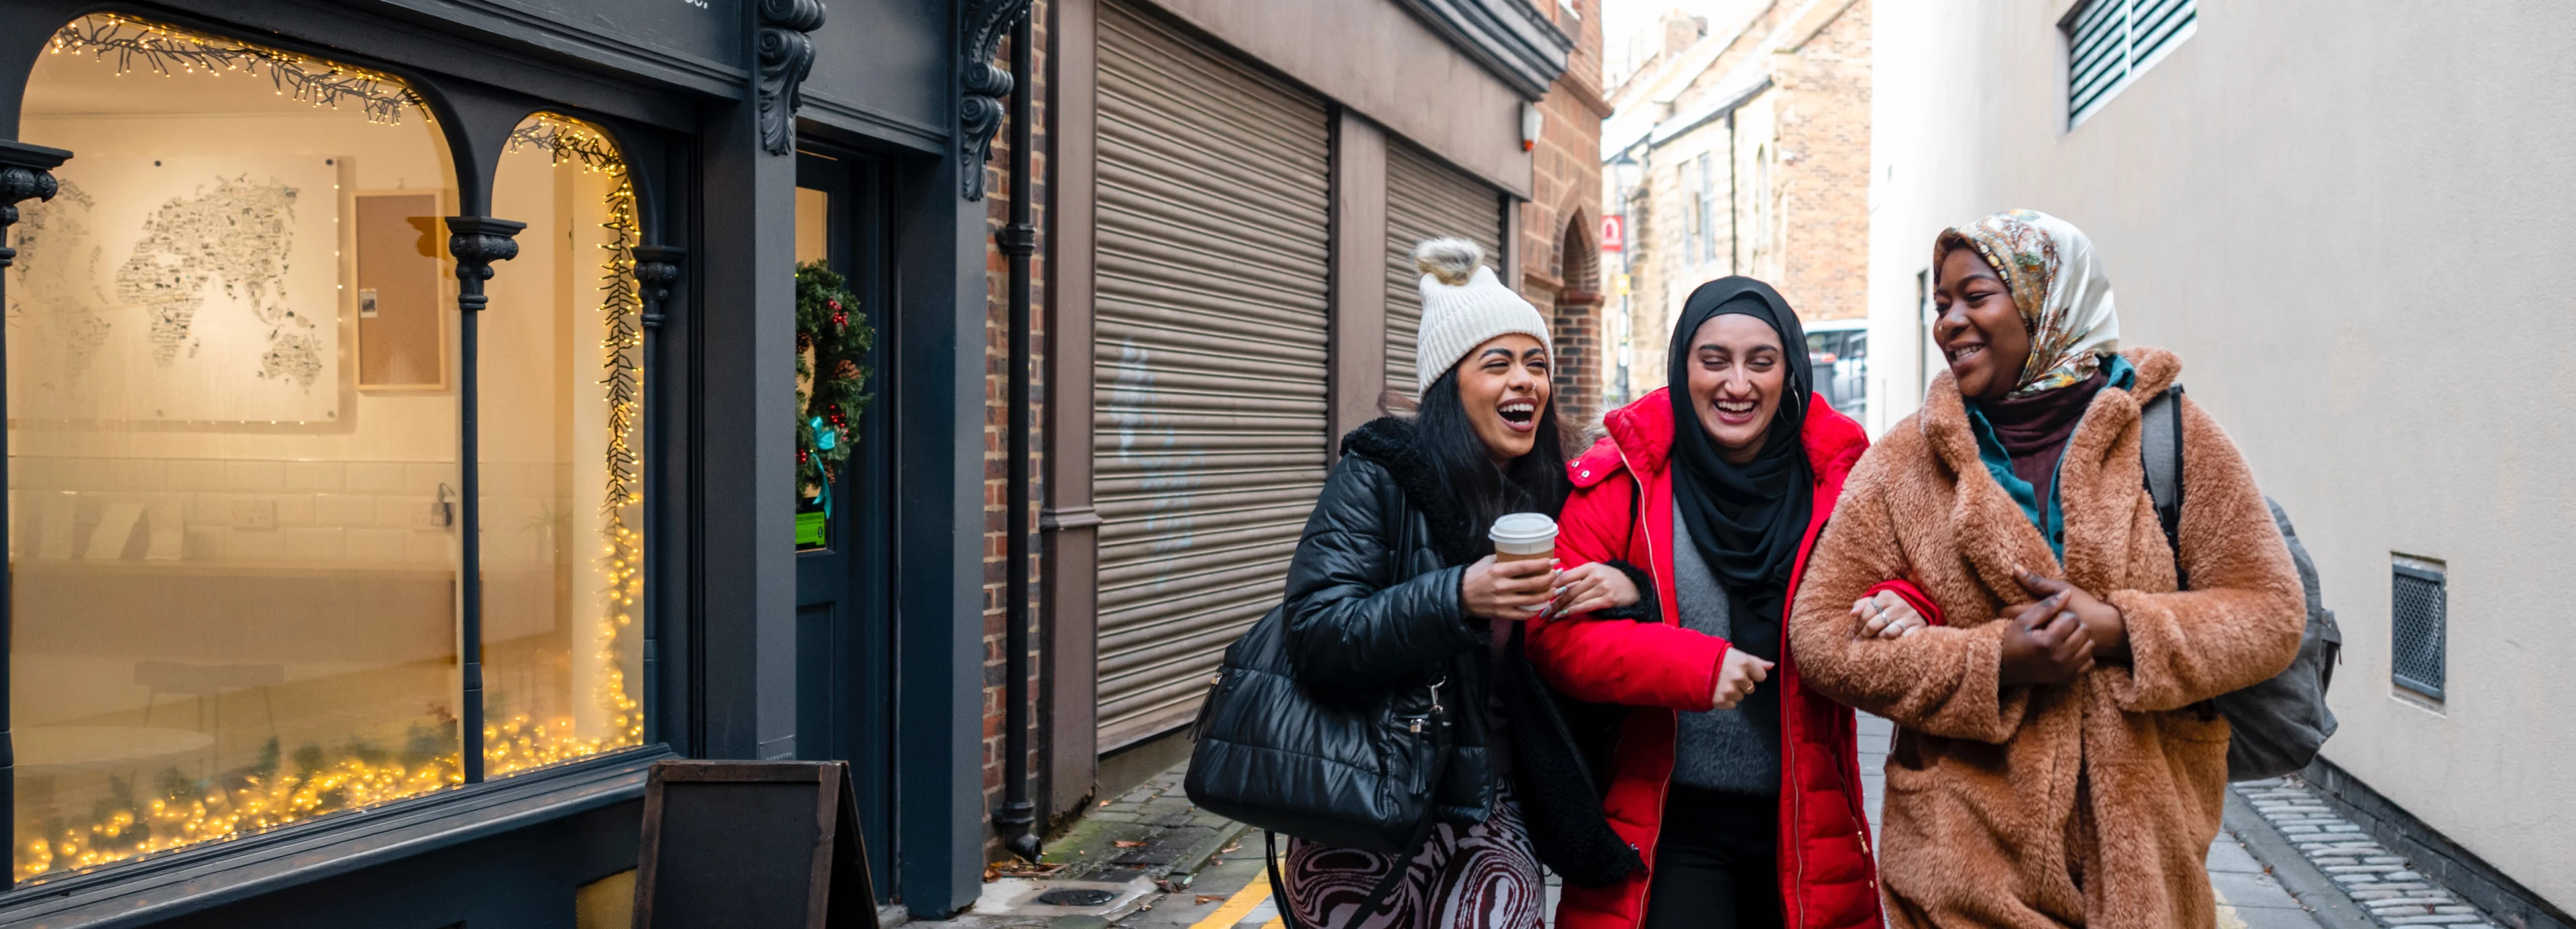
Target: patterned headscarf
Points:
(2049, 268)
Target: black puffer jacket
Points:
(1373, 605)
(1373, 602)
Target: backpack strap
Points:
(2160, 450)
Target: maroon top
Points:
(2034, 429)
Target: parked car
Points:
(1838, 349)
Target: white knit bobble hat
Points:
(1463, 306)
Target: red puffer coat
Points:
(1827, 877)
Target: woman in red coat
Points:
(1738, 786)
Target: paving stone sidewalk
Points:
(1151, 834)
(1203, 869)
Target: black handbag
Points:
(1272, 754)
(1355, 773)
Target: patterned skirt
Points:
(1483, 876)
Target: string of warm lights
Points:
(265, 797)
(136, 45)
(564, 140)
(621, 309)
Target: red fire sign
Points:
(1614, 234)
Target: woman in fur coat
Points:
(1394, 584)
(2057, 762)
(1738, 785)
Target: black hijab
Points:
(1748, 519)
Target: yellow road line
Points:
(1274, 923)
(1235, 907)
(2227, 918)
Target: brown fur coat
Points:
(2086, 804)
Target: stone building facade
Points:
(1742, 147)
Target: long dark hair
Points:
(1533, 483)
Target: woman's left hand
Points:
(1596, 586)
(1887, 616)
(2102, 621)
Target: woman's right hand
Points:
(2044, 644)
(1736, 675)
(1887, 616)
(1597, 586)
(1510, 591)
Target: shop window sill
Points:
(197, 878)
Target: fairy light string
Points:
(136, 45)
(280, 791)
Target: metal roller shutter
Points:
(1426, 199)
(1210, 364)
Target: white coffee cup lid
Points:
(1523, 527)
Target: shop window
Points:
(561, 378)
(233, 474)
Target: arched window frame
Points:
(476, 124)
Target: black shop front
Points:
(404, 447)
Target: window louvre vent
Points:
(2419, 633)
(2109, 42)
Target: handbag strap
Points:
(1402, 865)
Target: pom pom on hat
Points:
(1463, 306)
(1453, 261)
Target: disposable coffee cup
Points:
(1523, 536)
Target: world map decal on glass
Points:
(180, 290)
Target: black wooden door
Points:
(844, 606)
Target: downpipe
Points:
(1013, 822)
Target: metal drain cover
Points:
(1076, 896)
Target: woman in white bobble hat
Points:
(1395, 585)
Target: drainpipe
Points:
(1017, 815)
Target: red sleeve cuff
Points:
(1913, 596)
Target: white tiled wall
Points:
(364, 512)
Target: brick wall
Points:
(1824, 169)
(1559, 226)
(997, 422)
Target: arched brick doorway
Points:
(1577, 332)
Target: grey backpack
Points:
(2280, 723)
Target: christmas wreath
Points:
(832, 342)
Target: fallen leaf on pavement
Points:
(1210, 898)
(1127, 843)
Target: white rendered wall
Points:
(2353, 222)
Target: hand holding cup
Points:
(1517, 580)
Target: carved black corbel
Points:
(656, 268)
(26, 173)
(981, 83)
(477, 242)
(786, 56)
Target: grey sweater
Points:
(1733, 750)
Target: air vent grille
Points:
(2419, 632)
